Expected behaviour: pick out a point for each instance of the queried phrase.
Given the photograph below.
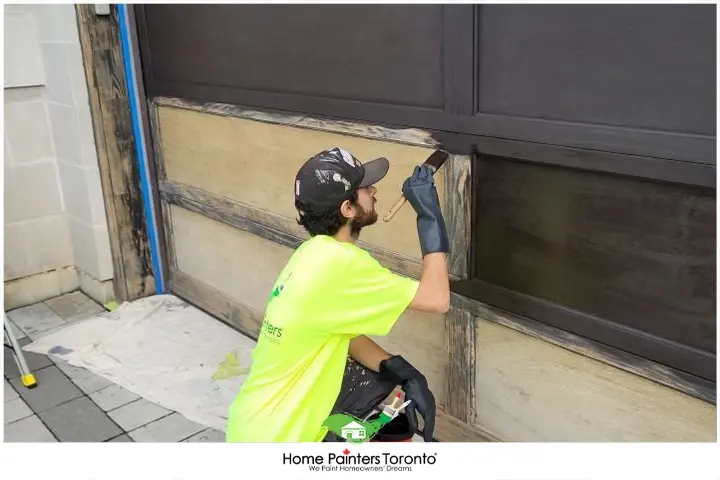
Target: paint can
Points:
(397, 430)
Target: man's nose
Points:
(372, 190)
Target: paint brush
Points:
(434, 161)
(390, 411)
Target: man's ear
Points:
(347, 210)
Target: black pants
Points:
(361, 391)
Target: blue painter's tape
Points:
(150, 214)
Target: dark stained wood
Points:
(459, 59)
(696, 174)
(112, 126)
(309, 50)
(596, 65)
(267, 224)
(593, 160)
(681, 381)
(407, 89)
(148, 132)
(646, 145)
(460, 383)
(626, 262)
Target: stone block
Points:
(83, 378)
(101, 292)
(47, 244)
(23, 58)
(28, 430)
(112, 397)
(173, 428)
(208, 436)
(15, 410)
(85, 254)
(65, 133)
(32, 190)
(138, 413)
(28, 133)
(57, 74)
(37, 288)
(35, 319)
(16, 264)
(56, 22)
(80, 421)
(75, 306)
(53, 389)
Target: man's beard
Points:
(363, 220)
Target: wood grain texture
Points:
(255, 163)
(458, 216)
(112, 127)
(532, 391)
(244, 319)
(460, 346)
(687, 384)
(627, 262)
(450, 429)
(268, 225)
(408, 136)
(237, 263)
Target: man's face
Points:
(365, 213)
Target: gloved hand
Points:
(420, 191)
(397, 370)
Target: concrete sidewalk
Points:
(73, 404)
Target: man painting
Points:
(313, 357)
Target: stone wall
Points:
(56, 235)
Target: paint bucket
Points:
(398, 430)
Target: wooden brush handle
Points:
(396, 208)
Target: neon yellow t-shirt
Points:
(327, 294)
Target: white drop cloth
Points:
(162, 349)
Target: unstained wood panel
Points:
(255, 163)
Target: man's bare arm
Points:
(367, 353)
(433, 294)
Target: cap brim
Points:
(375, 170)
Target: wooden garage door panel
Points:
(244, 267)
(532, 391)
(255, 163)
(238, 264)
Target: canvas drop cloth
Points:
(162, 349)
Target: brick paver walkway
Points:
(73, 404)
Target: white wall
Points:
(56, 235)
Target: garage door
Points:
(591, 131)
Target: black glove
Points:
(397, 370)
(419, 189)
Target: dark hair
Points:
(325, 223)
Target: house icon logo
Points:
(353, 431)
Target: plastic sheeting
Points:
(163, 349)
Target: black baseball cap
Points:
(330, 177)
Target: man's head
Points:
(335, 192)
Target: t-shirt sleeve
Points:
(367, 298)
